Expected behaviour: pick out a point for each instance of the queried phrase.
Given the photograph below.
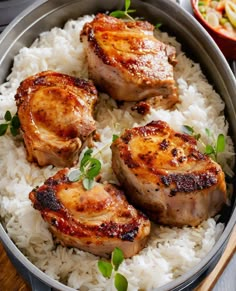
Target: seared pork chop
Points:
(165, 175)
(56, 117)
(126, 61)
(96, 220)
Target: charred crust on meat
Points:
(97, 48)
(46, 199)
(186, 138)
(147, 157)
(166, 180)
(130, 235)
(159, 125)
(127, 137)
(174, 152)
(55, 182)
(173, 192)
(182, 159)
(188, 183)
(129, 161)
(142, 108)
(39, 81)
(54, 222)
(197, 155)
(126, 232)
(164, 145)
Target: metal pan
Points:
(43, 15)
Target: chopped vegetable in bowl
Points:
(221, 15)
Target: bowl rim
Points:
(209, 27)
(13, 3)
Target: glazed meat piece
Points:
(96, 220)
(128, 62)
(56, 116)
(165, 175)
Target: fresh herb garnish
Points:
(120, 282)
(10, 121)
(158, 25)
(212, 149)
(88, 170)
(115, 137)
(107, 268)
(189, 130)
(125, 13)
(89, 167)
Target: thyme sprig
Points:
(109, 268)
(10, 121)
(124, 13)
(211, 149)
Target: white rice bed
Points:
(170, 251)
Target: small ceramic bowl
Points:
(225, 43)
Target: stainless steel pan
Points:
(43, 15)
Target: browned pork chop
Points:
(165, 175)
(128, 62)
(55, 112)
(96, 220)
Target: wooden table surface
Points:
(10, 279)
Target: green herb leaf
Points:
(8, 116)
(214, 147)
(118, 14)
(15, 122)
(220, 144)
(14, 131)
(117, 258)
(188, 129)
(207, 130)
(209, 149)
(88, 183)
(3, 128)
(94, 168)
(86, 157)
(158, 25)
(130, 11)
(125, 13)
(74, 175)
(114, 137)
(120, 282)
(197, 136)
(127, 4)
(89, 169)
(105, 268)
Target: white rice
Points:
(170, 251)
